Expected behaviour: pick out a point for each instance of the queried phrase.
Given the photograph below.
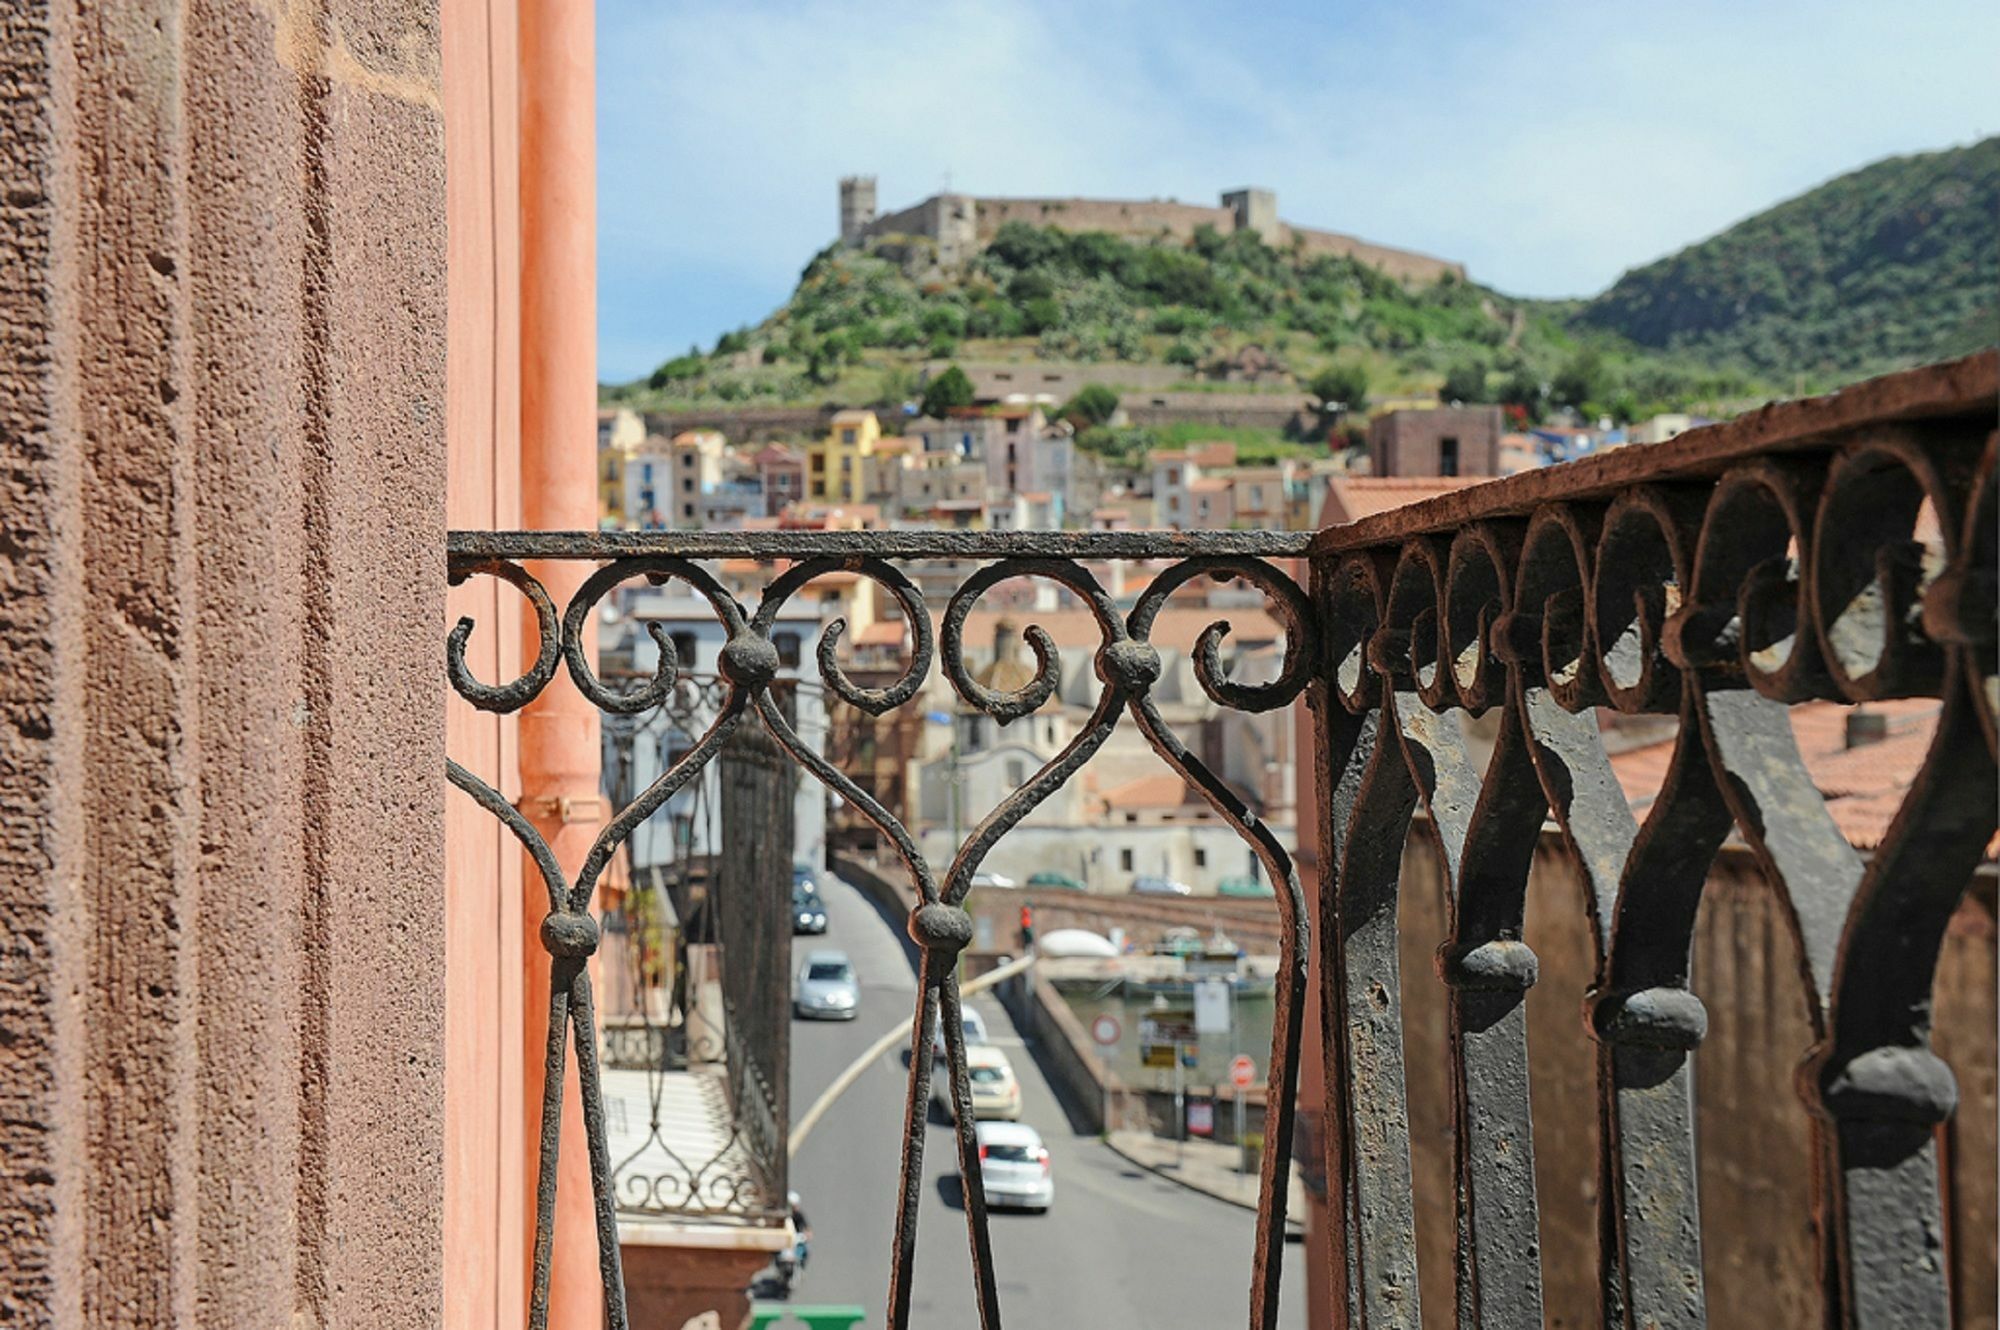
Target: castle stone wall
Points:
(962, 225)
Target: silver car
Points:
(825, 988)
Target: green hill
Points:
(1891, 265)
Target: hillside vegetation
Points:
(1892, 265)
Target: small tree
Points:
(1093, 405)
(1465, 382)
(1583, 378)
(1339, 386)
(948, 392)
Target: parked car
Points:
(1062, 880)
(995, 1092)
(1014, 1166)
(1160, 886)
(999, 881)
(825, 988)
(970, 1021)
(808, 909)
(1243, 886)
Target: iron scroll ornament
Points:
(1127, 664)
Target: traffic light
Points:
(1027, 925)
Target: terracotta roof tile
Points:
(1351, 498)
(881, 633)
(1161, 790)
(1863, 786)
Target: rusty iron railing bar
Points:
(979, 546)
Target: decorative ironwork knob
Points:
(569, 935)
(749, 661)
(1132, 665)
(941, 928)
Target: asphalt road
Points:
(1120, 1247)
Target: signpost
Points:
(1105, 1031)
(1201, 1117)
(1242, 1075)
(1169, 1039)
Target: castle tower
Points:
(1256, 210)
(857, 207)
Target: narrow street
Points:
(1120, 1247)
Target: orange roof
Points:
(881, 633)
(1177, 626)
(1037, 496)
(1161, 790)
(1215, 454)
(895, 444)
(1211, 485)
(1169, 455)
(1863, 786)
(1351, 498)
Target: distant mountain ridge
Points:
(1891, 265)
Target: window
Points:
(1447, 456)
(687, 484)
(687, 460)
(1125, 860)
(847, 437)
(788, 648)
(646, 473)
(1173, 475)
(684, 649)
(1010, 452)
(1200, 857)
(819, 461)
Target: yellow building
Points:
(837, 466)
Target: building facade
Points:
(1441, 441)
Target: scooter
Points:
(791, 1262)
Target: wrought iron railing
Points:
(1717, 579)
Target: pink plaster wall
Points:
(485, 1214)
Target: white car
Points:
(970, 1021)
(995, 1092)
(1014, 1166)
(998, 881)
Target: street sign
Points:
(1211, 1006)
(1201, 1117)
(1242, 1071)
(1105, 1029)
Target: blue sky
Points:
(1549, 146)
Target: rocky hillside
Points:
(1892, 265)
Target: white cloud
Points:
(1548, 146)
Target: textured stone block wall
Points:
(221, 723)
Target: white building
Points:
(690, 822)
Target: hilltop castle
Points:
(958, 226)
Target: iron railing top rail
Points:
(980, 545)
(1955, 388)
